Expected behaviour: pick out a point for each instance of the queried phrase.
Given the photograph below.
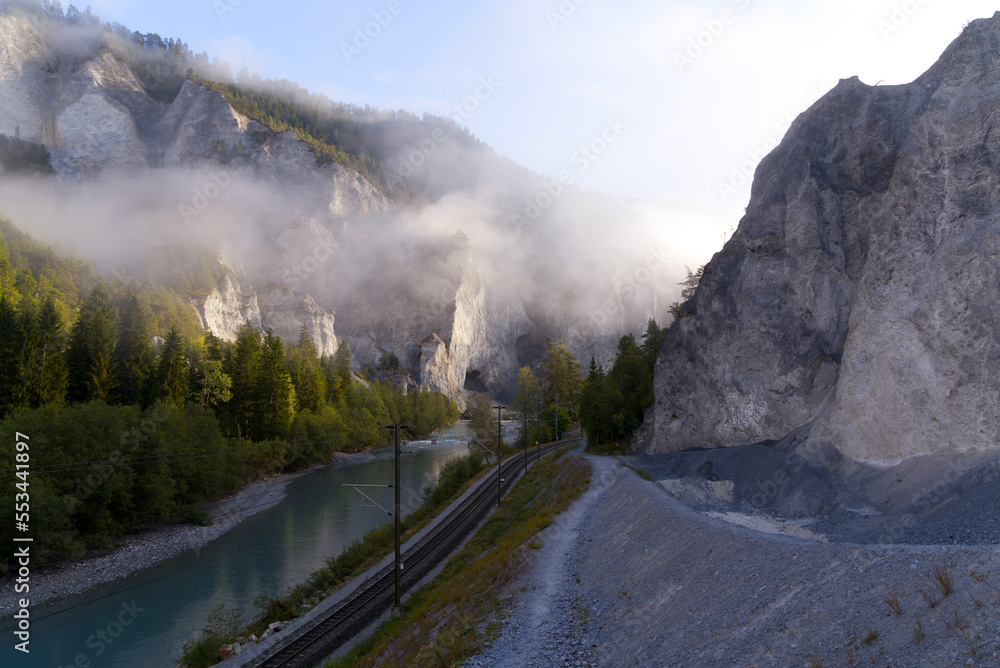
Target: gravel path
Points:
(548, 626)
(661, 584)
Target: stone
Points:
(853, 312)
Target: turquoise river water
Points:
(145, 619)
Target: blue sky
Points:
(702, 88)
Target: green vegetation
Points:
(356, 558)
(690, 284)
(19, 156)
(331, 130)
(613, 405)
(125, 433)
(454, 616)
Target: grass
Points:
(611, 449)
(642, 473)
(454, 616)
(870, 638)
(943, 580)
(892, 600)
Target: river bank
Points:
(144, 548)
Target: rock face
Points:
(856, 304)
(229, 306)
(300, 239)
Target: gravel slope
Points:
(662, 584)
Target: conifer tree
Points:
(89, 356)
(307, 373)
(134, 358)
(172, 371)
(242, 368)
(10, 344)
(50, 373)
(275, 392)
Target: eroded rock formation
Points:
(856, 305)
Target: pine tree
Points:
(307, 373)
(10, 344)
(8, 276)
(172, 370)
(651, 341)
(594, 406)
(51, 375)
(242, 368)
(134, 358)
(342, 364)
(89, 356)
(275, 392)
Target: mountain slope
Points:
(149, 156)
(854, 308)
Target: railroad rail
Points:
(339, 624)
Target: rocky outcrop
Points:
(300, 239)
(856, 304)
(285, 311)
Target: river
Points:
(148, 617)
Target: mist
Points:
(536, 251)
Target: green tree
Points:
(594, 409)
(690, 284)
(652, 339)
(560, 377)
(307, 373)
(10, 355)
(242, 366)
(483, 421)
(215, 387)
(90, 354)
(630, 385)
(134, 359)
(172, 370)
(342, 364)
(50, 375)
(275, 392)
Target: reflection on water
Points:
(147, 618)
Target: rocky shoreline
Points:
(144, 549)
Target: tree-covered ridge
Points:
(331, 130)
(361, 138)
(30, 269)
(128, 428)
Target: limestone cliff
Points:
(856, 301)
(302, 236)
(285, 311)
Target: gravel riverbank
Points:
(647, 580)
(143, 549)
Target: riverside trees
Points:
(124, 432)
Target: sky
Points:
(681, 98)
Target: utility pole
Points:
(525, 433)
(538, 428)
(397, 607)
(557, 416)
(499, 447)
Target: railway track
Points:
(376, 595)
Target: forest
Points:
(613, 403)
(131, 421)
